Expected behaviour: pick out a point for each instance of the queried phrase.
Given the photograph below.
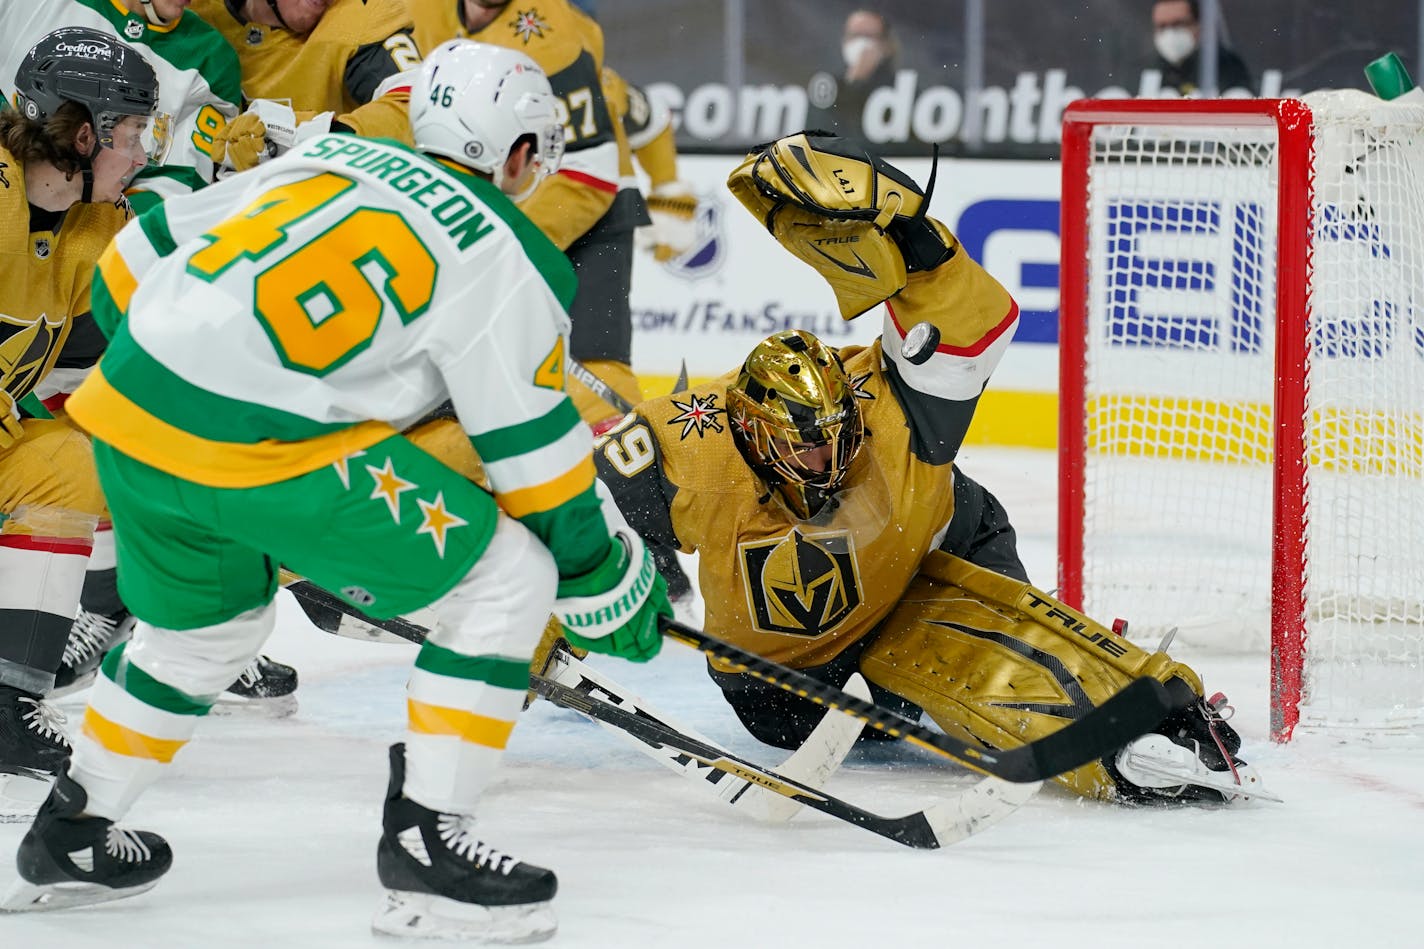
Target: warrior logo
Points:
(529, 24)
(801, 584)
(697, 415)
(42, 248)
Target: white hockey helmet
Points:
(471, 102)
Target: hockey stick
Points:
(816, 760)
(939, 825)
(942, 823)
(1134, 711)
(597, 386)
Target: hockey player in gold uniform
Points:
(80, 131)
(833, 530)
(343, 57)
(583, 209)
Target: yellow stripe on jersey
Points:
(466, 726)
(109, 415)
(539, 498)
(122, 740)
(118, 277)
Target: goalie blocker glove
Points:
(854, 217)
(614, 608)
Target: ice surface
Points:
(274, 826)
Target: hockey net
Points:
(1242, 414)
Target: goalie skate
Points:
(1157, 762)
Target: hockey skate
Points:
(1191, 760)
(90, 639)
(442, 882)
(265, 688)
(68, 859)
(33, 749)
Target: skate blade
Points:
(426, 916)
(280, 707)
(78, 685)
(21, 795)
(26, 897)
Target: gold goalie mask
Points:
(854, 217)
(795, 419)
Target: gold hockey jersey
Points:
(568, 45)
(44, 278)
(801, 591)
(338, 67)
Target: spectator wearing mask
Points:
(1176, 36)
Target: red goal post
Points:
(1242, 388)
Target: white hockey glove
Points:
(614, 608)
(267, 129)
(673, 208)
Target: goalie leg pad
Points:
(994, 660)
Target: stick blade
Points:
(1131, 713)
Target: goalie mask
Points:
(473, 102)
(795, 419)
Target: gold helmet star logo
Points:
(529, 24)
(389, 487)
(436, 521)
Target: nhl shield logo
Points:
(42, 248)
(133, 29)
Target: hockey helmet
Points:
(471, 102)
(98, 71)
(795, 418)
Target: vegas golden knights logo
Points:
(801, 584)
(27, 350)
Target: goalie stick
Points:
(1134, 711)
(732, 779)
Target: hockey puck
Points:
(920, 343)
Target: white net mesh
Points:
(1180, 375)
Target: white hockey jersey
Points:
(292, 315)
(198, 83)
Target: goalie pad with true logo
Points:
(855, 218)
(996, 660)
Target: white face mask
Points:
(1175, 43)
(855, 47)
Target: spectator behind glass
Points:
(1176, 35)
(868, 52)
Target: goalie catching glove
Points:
(854, 217)
(614, 608)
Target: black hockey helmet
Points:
(99, 72)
